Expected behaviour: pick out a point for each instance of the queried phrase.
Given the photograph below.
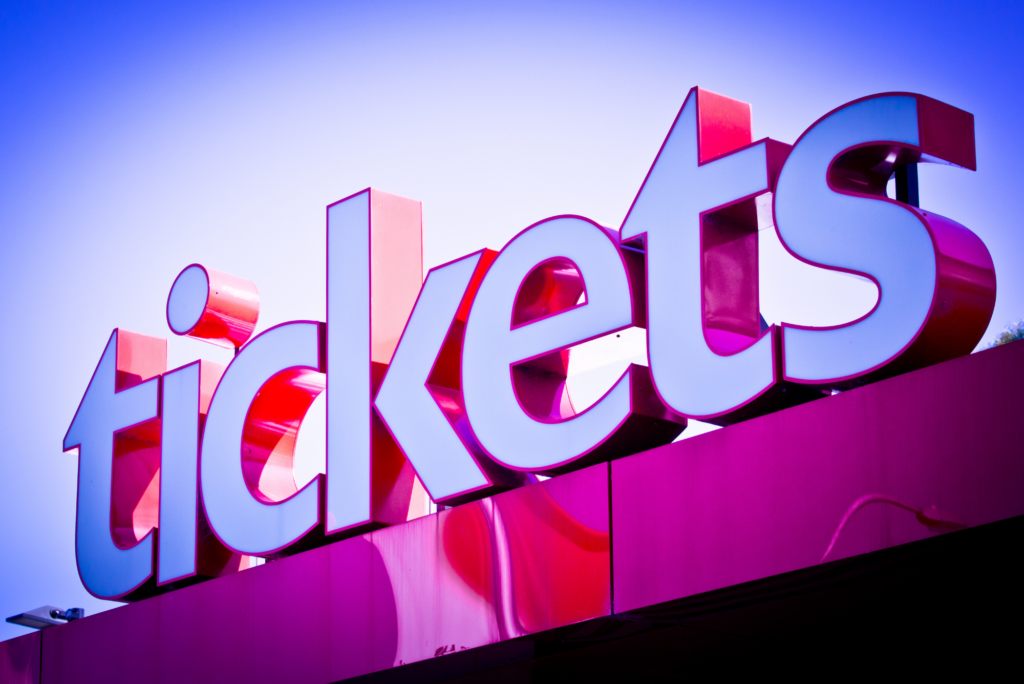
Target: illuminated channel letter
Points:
(185, 400)
(524, 318)
(374, 272)
(248, 485)
(696, 218)
(935, 278)
(420, 398)
(117, 432)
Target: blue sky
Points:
(140, 137)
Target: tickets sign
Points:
(454, 386)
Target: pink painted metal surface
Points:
(769, 495)
(523, 561)
(19, 659)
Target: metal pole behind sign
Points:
(906, 185)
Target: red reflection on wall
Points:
(504, 548)
(467, 546)
(545, 536)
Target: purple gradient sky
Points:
(140, 137)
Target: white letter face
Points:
(349, 386)
(184, 403)
(689, 376)
(404, 401)
(179, 461)
(502, 425)
(241, 521)
(870, 236)
(106, 570)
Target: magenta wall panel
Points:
(519, 562)
(767, 496)
(19, 660)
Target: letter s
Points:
(935, 278)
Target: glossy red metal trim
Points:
(135, 490)
(271, 428)
(724, 125)
(231, 311)
(553, 286)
